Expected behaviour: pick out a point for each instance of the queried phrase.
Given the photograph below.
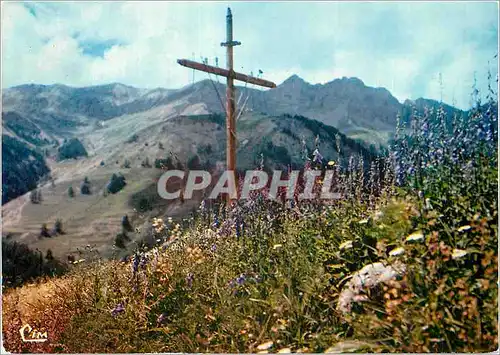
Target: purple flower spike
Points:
(118, 309)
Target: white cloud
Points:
(400, 46)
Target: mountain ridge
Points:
(360, 111)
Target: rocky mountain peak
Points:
(294, 80)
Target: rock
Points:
(348, 346)
(368, 277)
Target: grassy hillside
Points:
(121, 147)
(406, 261)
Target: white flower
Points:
(464, 228)
(265, 346)
(396, 251)
(378, 215)
(346, 245)
(458, 253)
(415, 236)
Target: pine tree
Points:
(34, 197)
(58, 227)
(49, 256)
(44, 231)
(85, 187)
(126, 224)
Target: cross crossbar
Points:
(226, 73)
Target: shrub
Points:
(145, 163)
(71, 149)
(44, 231)
(116, 183)
(58, 229)
(21, 264)
(85, 187)
(71, 192)
(36, 196)
(164, 164)
(133, 138)
(194, 163)
(121, 239)
(126, 226)
(126, 164)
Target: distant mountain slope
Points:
(357, 110)
(22, 168)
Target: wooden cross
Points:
(231, 75)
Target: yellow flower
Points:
(458, 253)
(415, 236)
(464, 228)
(331, 163)
(397, 251)
(346, 245)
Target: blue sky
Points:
(402, 46)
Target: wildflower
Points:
(265, 346)
(415, 236)
(331, 163)
(118, 309)
(277, 246)
(216, 223)
(346, 245)
(363, 221)
(317, 157)
(378, 215)
(143, 262)
(241, 279)
(135, 264)
(189, 280)
(458, 253)
(397, 251)
(464, 228)
(161, 318)
(213, 248)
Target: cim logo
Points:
(32, 335)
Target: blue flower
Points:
(161, 318)
(189, 280)
(241, 279)
(118, 309)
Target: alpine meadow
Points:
(173, 183)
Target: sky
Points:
(414, 49)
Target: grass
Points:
(268, 276)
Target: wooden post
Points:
(230, 105)
(231, 75)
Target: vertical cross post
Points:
(230, 105)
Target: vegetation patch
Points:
(72, 149)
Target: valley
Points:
(126, 130)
